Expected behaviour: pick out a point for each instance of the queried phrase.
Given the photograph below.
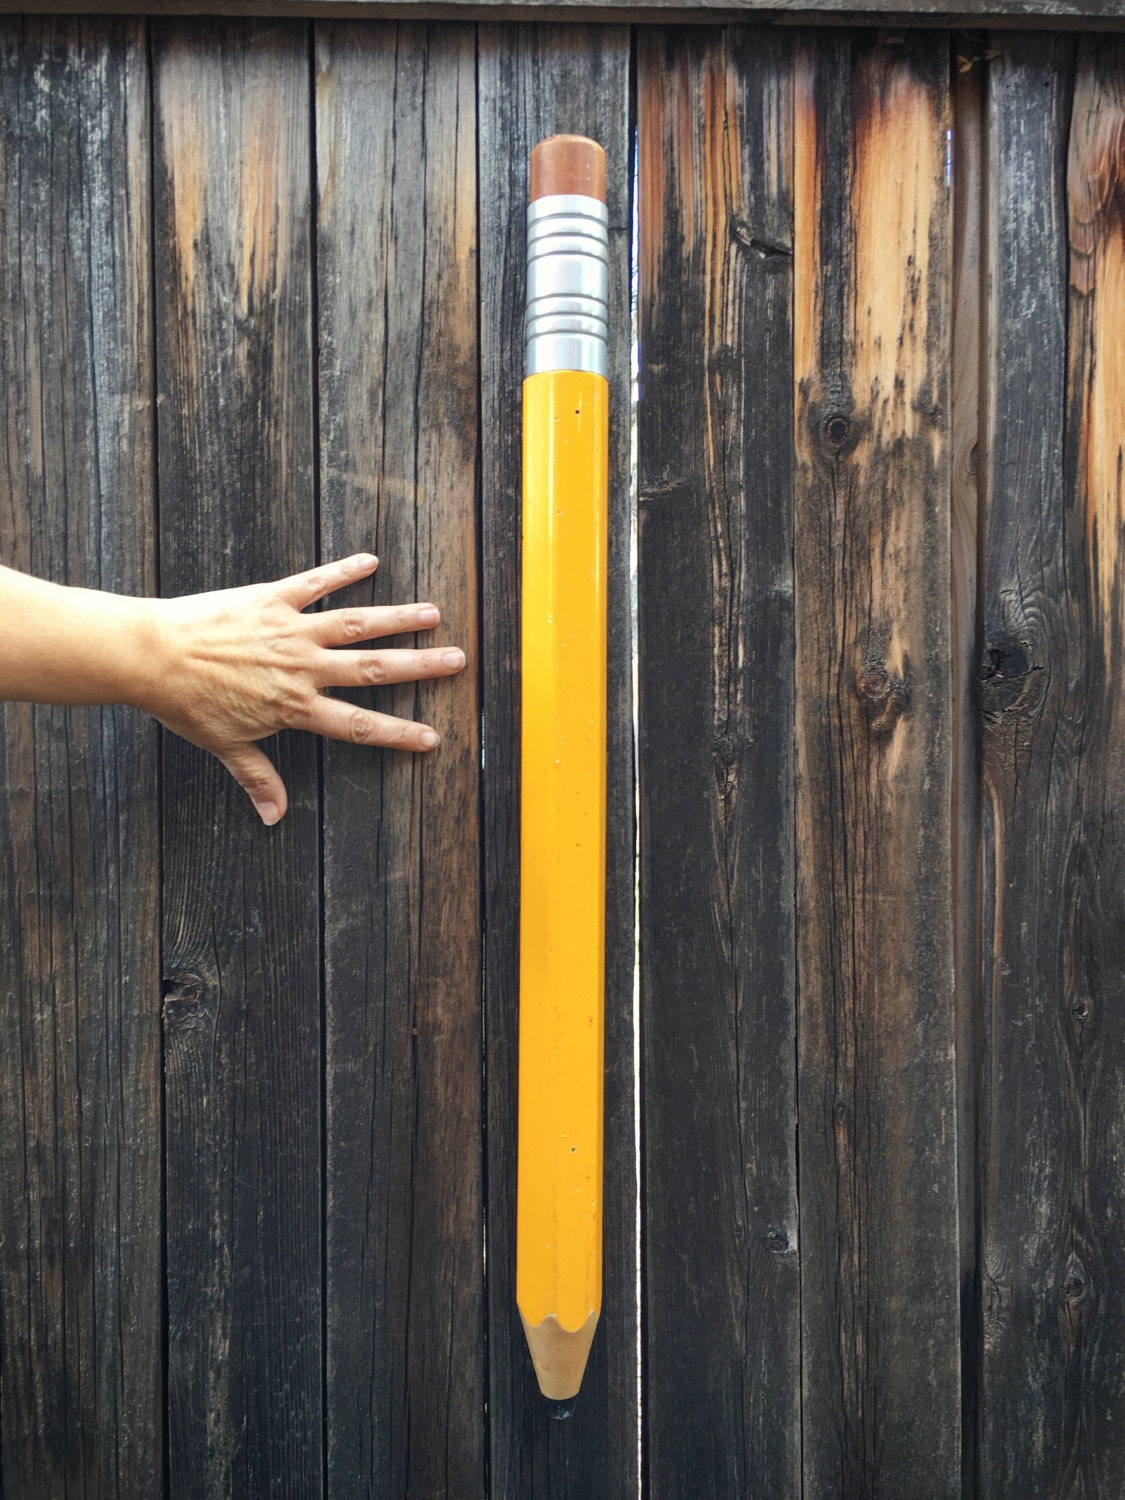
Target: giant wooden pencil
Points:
(562, 821)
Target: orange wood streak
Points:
(898, 192)
(899, 166)
(263, 249)
(183, 128)
(1096, 189)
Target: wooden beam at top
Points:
(1061, 15)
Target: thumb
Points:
(258, 778)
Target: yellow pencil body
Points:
(562, 872)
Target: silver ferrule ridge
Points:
(566, 325)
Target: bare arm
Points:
(222, 669)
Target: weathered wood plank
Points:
(532, 83)
(242, 962)
(397, 301)
(1058, 14)
(81, 1409)
(878, 1167)
(964, 645)
(715, 600)
(1091, 1253)
(1054, 958)
(1027, 618)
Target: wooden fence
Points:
(260, 302)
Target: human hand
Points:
(234, 666)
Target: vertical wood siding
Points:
(261, 293)
(715, 594)
(242, 1023)
(81, 1383)
(397, 330)
(879, 1287)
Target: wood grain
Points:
(1091, 1257)
(397, 303)
(242, 902)
(80, 1327)
(969, 269)
(878, 1166)
(1055, 794)
(534, 82)
(1029, 789)
(715, 599)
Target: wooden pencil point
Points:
(559, 1355)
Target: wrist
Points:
(140, 666)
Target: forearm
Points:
(70, 645)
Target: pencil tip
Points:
(560, 1410)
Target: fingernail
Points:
(428, 616)
(366, 560)
(270, 813)
(454, 659)
(429, 738)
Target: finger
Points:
(347, 627)
(258, 778)
(303, 589)
(373, 668)
(361, 726)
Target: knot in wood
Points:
(873, 686)
(1005, 674)
(1075, 1286)
(837, 429)
(772, 257)
(884, 698)
(778, 1241)
(182, 994)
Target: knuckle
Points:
(314, 581)
(295, 703)
(374, 670)
(289, 653)
(353, 625)
(253, 782)
(360, 727)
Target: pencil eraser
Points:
(568, 164)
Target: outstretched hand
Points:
(247, 662)
(223, 669)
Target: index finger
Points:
(302, 589)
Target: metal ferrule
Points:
(567, 319)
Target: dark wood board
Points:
(1028, 615)
(1090, 1279)
(1054, 959)
(81, 1410)
(969, 272)
(397, 321)
(242, 1009)
(877, 1102)
(1057, 14)
(532, 83)
(715, 604)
